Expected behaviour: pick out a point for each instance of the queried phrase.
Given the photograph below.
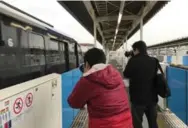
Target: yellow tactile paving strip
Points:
(164, 121)
(80, 120)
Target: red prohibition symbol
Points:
(18, 105)
(29, 99)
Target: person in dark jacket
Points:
(141, 71)
(102, 89)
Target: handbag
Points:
(161, 83)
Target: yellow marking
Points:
(52, 36)
(20, 26)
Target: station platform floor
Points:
(81, 121)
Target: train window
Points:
(53, 52)
(24, 39)
(62, 47)
(71, 47)
(2, 43)
(36, 41)
(53, 45)
(79, 50)
(9, 36)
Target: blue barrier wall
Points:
(177, 81)
(185, 60)
(187, 98)
(69, 79)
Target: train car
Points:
(31, 48)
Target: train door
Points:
(25, 54)
(53, 56)
(66, 52)
(9, 55)
(80, 55)
(72, 57)
(63, 57)
(76, 54)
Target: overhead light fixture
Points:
(119, 18)
(116, 31)
(122, 5)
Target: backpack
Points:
(160, 82)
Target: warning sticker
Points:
(18, 105)
(29, 99)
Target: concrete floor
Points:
(145, 122)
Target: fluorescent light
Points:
(119, 18)
(116, 31)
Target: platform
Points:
(81, 121)
(165, 120)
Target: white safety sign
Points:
(29, 99)
(12, 110)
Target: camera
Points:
(81, 67)
(129, 54)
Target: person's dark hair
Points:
(141, 46)
(94, 56)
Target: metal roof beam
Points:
(118, 40)
(143, 13)
(93, 16)
(122, 5)
(114, 18)
(111, 36)
(113, 30)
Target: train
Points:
(31, 48)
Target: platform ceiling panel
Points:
(116, 20)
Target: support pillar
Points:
(125, 47)
(95, 34)
(123, 56)
(141, 29)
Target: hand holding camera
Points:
(129, 54)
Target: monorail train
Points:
(30, 48)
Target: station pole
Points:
(141, 29)
(125, 47)
(95, 34)
(123, 58)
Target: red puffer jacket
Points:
(103, 90)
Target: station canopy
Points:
(115, 21)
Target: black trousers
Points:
(138, 113)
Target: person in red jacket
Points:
(102, 89)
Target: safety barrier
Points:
(69, 79)
(39, 103)
(177, 60)
(178, 83)
(32, 104)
